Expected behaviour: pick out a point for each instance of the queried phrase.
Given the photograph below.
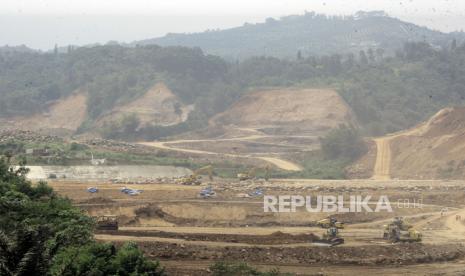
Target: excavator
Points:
(398, 231)
(330, 222)
(247, 175)
(251, 174)
(193, 179)
(331, 237)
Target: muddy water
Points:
(106, 172)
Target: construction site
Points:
(191, 218)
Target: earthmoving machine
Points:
(331, 237)
(247, 175)
(251, 174)
(106, 223)
(330, 222)
(398, 231)
(193, 179)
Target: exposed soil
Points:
(63, 117)
(288, 111)
(158, 106)
(273, 238)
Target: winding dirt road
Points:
(278, 162)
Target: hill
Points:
(386, 94)
(434, 149)
(287, 112)
(61, 117)
(158, 106)
(310, 34)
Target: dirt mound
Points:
(158, 106)
(97, 200)
(347, 255)
(288, 111)
(274, 238)
(62, 117)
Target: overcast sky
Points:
(42, 23)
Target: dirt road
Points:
(382, 169)
(383, 159)
(278, 162)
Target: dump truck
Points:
(398, 231)
(106, 223)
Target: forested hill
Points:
(311, 34)
(386, 93)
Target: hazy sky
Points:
(42, 23)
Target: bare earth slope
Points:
(433, 149)
(158, 106)
(287, 111)
(62, 117)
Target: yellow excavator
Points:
(251, 174)
(330, 222)
(398, 231)
(247, 175)
(194, 179)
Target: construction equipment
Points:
(193, 179)
(330, 222)
(331, 237)
(247, 175)
(398, 231)
(106, 223)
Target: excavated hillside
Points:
(287, 112)
(434, 149)
(62, 117)
(158, 106)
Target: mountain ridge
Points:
(309, 34)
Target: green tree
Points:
(37, 226)
(104, 259)
(343, 143)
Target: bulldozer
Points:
(330, 222)
(398, 231)
(331, 237)
(194, 179)
(106, 223)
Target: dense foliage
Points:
(104, 259)
(40, 230)
(386, 93)
(343, 143)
